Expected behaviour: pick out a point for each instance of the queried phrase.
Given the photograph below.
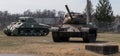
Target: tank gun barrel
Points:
(68, 11)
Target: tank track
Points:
(28, 32)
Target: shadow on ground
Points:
(91, 42)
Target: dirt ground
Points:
(44, 46)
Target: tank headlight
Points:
(54, 28)
(90, 23)
(85, 29)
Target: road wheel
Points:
(44, 32)
(89, 37)
(65, 39)
(7, 32)
(92, 37)
(56, 37)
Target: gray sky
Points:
(18, 6)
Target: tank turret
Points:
(73, 18)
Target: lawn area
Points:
(46, 47)
(109, 37)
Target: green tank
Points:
(74, 25)
(26, 26)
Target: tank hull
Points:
(63, 33)
(70, 34)
(28, 32)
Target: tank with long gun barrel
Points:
(75, 25)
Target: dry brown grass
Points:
(48, 49)
(44, 46)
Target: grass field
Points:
(44, 46)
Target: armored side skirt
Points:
(70, 34)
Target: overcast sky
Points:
(18, 6)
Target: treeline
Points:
(6, 17)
